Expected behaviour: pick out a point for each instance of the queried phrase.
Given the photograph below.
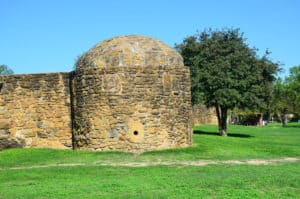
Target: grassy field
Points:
(174, 181)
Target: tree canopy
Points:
(5, 70)
(226, 72)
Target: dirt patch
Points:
(46, 166)
(198, 163)
(202, 162)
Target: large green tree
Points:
(5, 70)
(226, 72)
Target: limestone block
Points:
(4, 124)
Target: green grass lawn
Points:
(280, 181)
(215, 181)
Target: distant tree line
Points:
(286, 95)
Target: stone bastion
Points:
(128, 93)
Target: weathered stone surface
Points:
(130, 50)
(35, 111)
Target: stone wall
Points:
(132, 108)
(120, 108)
(203, 115)
(35, 111)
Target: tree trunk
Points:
(284, 120)
(222, 120)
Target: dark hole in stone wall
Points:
(135, 132)
(1, 86)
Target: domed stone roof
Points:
(130, 50)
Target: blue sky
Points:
(38, 36)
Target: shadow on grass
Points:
(292, 126)
(289, 125)
(217, 134)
